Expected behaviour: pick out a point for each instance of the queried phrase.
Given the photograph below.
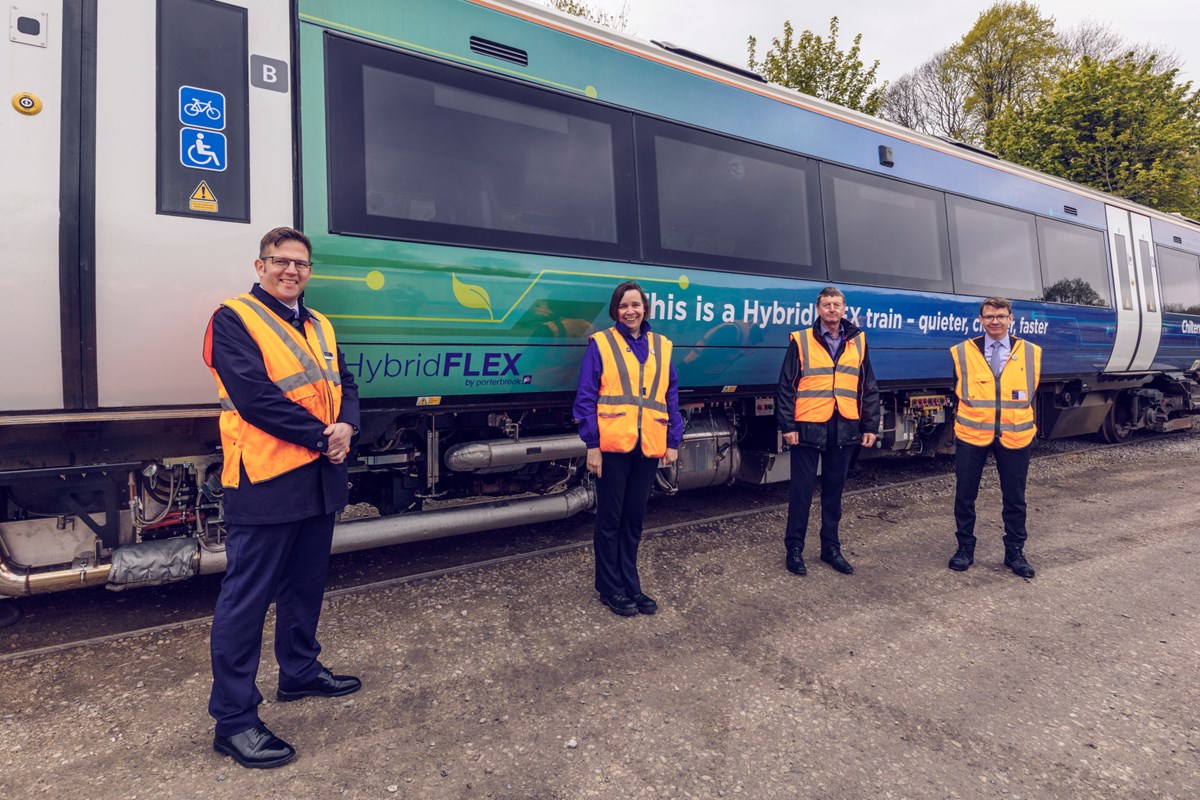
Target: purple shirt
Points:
(832, 340)
(589, 389)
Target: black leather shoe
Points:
(645, 605)
(1014, 559)
(963, 557)
(256, 748)
(326, 684)
(834, 559)
(619, 604)
(795, 561)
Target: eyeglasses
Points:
(994, 317)
(284, 263)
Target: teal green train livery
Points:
(477, 176)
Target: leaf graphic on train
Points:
(472, 296)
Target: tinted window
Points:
(884, 232)
(721, 203)
(1074, 266)
(994, 250)
(1147, 274)
(1121, 253)
(419, 150)
(1180, 274)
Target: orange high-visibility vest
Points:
(303, 366)
(824, 385)
(988, 407)
(633, 396)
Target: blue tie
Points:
(997, 360)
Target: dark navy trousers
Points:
(621, 495)
(834, 463)
(1013, 468)
(287, 562)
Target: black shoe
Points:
(795, 561)
(645, 605)
(326, 684)
(1014, 559)
(619, 604)
(256, 748)
(963, 557)
(834, 559)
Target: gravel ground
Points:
(904, 680)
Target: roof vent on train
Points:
(1071, 211)
(965, 146)
(504, 52)
(709, 60)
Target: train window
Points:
(428, 152)
(1180, 274)
(1147, 274)
(884, 232)
(994, 250)
(711, 201)
(1074, 264)
(1121, 252)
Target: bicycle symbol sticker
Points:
(202, 108)
(202, 149)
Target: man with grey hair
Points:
(827, 403)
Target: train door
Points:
(1138, 296)
(33, 168)
(1149, 293)
(193, 163)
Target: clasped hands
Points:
(595, 461)
(793, 438)
(338, 441)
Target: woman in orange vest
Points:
(627, 409)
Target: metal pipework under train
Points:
(476, 176)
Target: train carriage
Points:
(476, 176)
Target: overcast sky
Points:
(901, 35)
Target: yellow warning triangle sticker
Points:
(203, 193)
(203, 199)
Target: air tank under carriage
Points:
(476, 177)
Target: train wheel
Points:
(1117, 427)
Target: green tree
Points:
(816, 66)
(1008, 57)
(1073, 290)
(1120, 126)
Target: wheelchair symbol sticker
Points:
(202, 150)
(201, 108)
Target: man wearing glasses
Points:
(996, 379)
(289, 409)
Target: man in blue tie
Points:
(996, 381)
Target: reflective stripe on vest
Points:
(627, 410)
(297, 364)
(823, 384)
(988, 407)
